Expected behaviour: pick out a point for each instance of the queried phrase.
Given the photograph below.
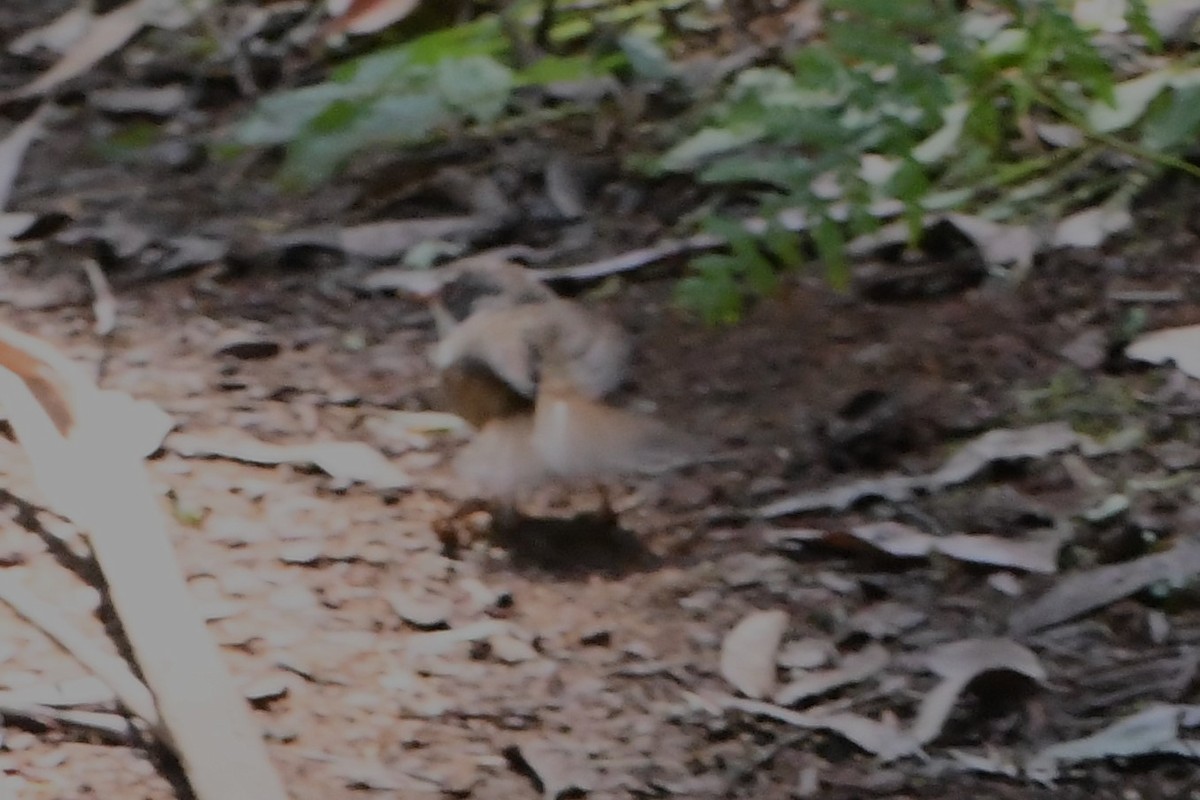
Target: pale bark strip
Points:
(90, 473)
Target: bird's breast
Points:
(478, 395)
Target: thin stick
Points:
(131, 692)
(114, 726)
(104, 302)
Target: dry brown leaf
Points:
(884, 739)
(427, 282)
(1180, 346)
(959, 663)
(385, 239)
(1035, 553)
(1154, 731)
(105, 35)
(1084, 591)
(421, 612)
(1003, 444)
(57, 35)
(351, 461)
(895, 539)
(12, 153)
(1092, 226)
(439, 642)
(885, 620)
(854, 668)
(749, 651)
(132, 693)
(894, 488)
(158, 101)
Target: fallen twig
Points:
(113, 726)
(791, 219)
(104, 302)
(132, 693)
(635, 259)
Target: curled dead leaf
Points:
(959, 663)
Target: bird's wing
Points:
(592, 352)
(576, 436)
(500, 461)
(497, 338)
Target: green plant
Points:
(1006, 112)
(441, 82)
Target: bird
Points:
(534, 373)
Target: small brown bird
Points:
(531, 370)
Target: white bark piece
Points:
(90, 473)
(749, 652)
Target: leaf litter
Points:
(989, 448)
(526, 665)
(1037, 552)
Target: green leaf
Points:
(831, 249)
(1177, 124)
(646, 57)
(784, 245)
(374, 72)
(478, 87)
(1138, 16)
(750, 262)
(336, 117)
(712, 292)
(789, 175)
(775, 88)
(942, 143)
(482, 37)
(816, 67)
(314, 156)
(1007, 44)
(281, 117)
(554, 69)
(704, 144)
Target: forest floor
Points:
(384, 661)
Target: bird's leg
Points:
(606, 515)
(505, 517)
(473, 520)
